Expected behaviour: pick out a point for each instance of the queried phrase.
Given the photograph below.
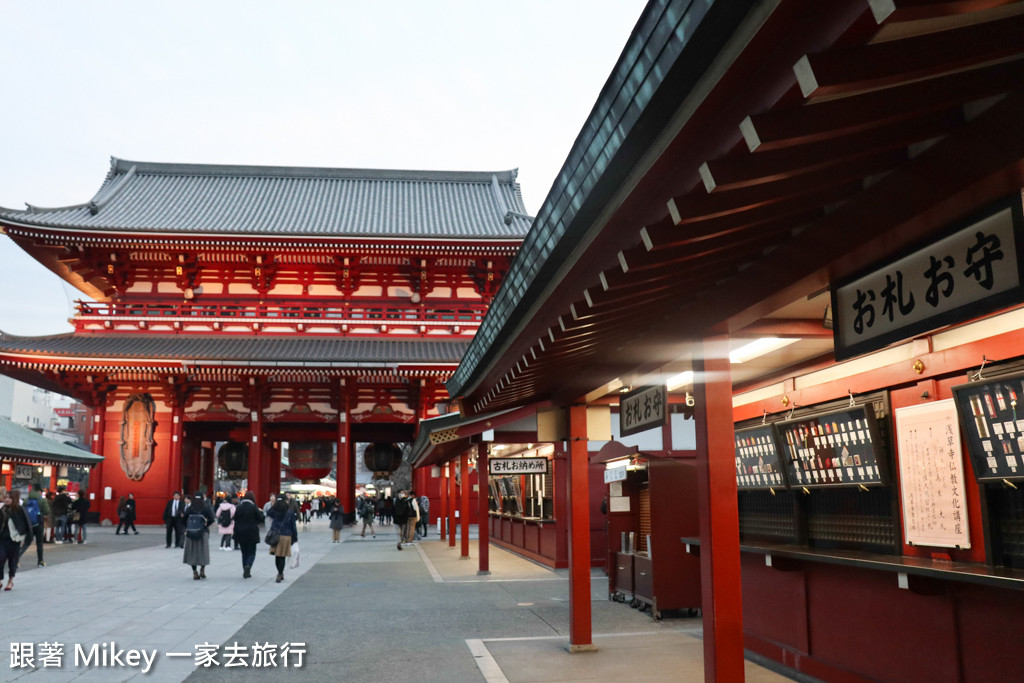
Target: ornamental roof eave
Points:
(197, 199)
(325, 354)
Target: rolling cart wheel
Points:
(634, 603)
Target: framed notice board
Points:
(840, 448)
(758, 463)
(932, 475)
(992, 419)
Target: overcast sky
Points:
(404, 84)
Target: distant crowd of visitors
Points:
(57, 517)
(43, 517)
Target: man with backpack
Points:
(424, 521)
(38, 509)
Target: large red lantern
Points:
(382, 457)
(233, 458)
(310, 461)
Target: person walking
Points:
(283, 518)
(337, 522)
(79, 509)
(401, 513)
(198, 520)
(414, 518)
(368, 511)
(174, 519)
(122, 515)
(424, 521)
(61, 507)
(126, 514)
(248, 517)
(36, 499)
(226, 513)
(15, 530)
(50, 522)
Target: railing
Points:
(301, 315)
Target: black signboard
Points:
(758, 465)
(974, 270)
(642, 409)
(992, 419)
(840, 448)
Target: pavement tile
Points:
(361, 610)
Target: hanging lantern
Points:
(310, 461)
(233, 458)
(382, 457)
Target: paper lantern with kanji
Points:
(233, 458)
(310, 461)
(382, 457)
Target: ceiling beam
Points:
(844, 70)
(886, 144)
(782, 127)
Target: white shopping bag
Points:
(295, 556)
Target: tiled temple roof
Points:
(143, 197)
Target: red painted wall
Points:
(153, 492)
(843, 623)
(861, 626)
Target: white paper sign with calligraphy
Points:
(500, 466)
(973, 271)
(932, 476)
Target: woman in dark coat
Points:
(126, 514)
(337, 517)
(197, 550)
(283, 521)
(248, 517)
(12, 515)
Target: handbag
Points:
(273, 536)
(13, 530)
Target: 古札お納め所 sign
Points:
(499, 466)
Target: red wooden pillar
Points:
(721, 598)
(271, 469)
(484, 517)
(561, 500)
(342, 450)
(177, 437)
(443, 518)
(258, 481)
(464, 505)
(106, 507)
(454, 502)
(580, 627)
(419, 482)
(350, 492)
(345, 467)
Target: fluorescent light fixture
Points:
(615, 464)
(760, 347)
(681, 380)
